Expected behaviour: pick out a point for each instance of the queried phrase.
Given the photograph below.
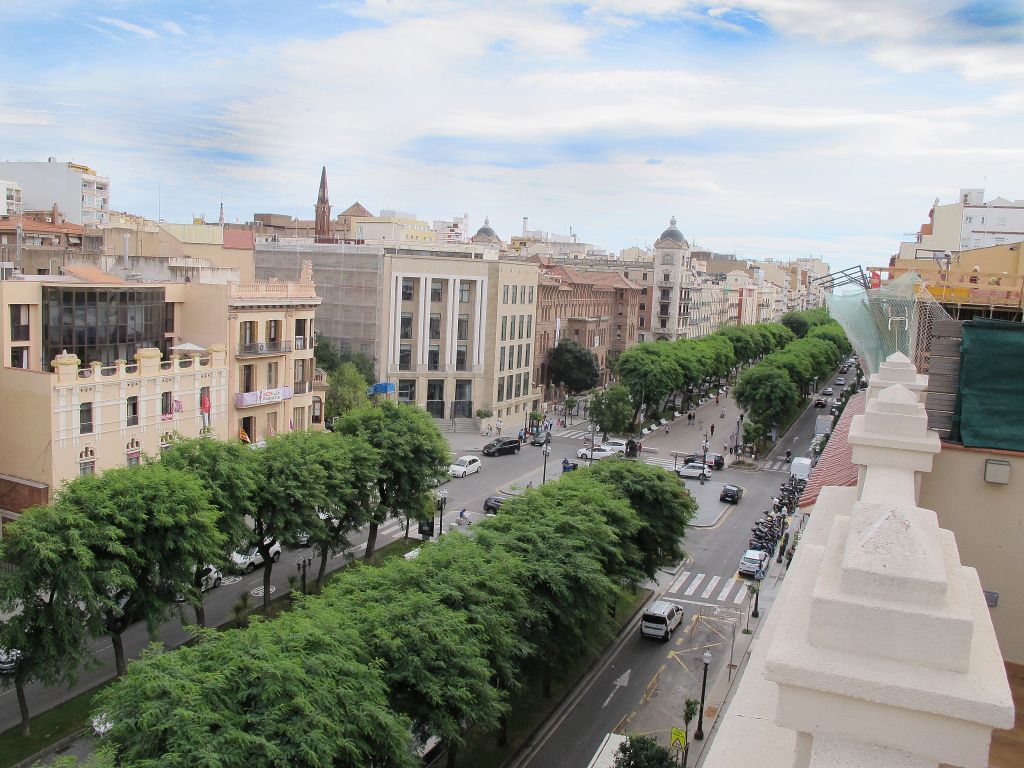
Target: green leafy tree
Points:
(797, 366)
(796, 322)
(292, 490)
(158, 523)
(663, 506)
(346, 391)
(754, 431)
(573, 366)
(766, 392)
(326, 354)
(227, 470)
(743, 344)
(612, 410)
(832, 332)
(49, 597)
(414, 457)
(643, 752)
(302, 690)
(650, 371)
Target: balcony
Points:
(262, 397)
(302, 387)
(255, 348)
(301, 342)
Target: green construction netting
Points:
(896, 317)
(988, 412)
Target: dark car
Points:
(714, 460)
(491, 504)
(501, 445)
(731, 494)
(541, 438)
(821, 402)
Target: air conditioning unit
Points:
(261, 347)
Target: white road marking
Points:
(696, 583)
(679, 581)
(729, 583)
(741, 594)
(710, 587)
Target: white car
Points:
(694, 469)
(247, 558)
(464, 465)
(212, 578)
(600, 452)
(615, 444)
(754, 561)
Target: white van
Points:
(660, 619)
(800, 468)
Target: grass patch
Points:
(47, 728)
(529, 708)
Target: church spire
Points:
(322, 229)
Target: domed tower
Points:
(672, 238)
(670, 297)
(486, 235)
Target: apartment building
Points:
(77, 190)
(10, 198)
(104, 370)
(394, 227)
(454, 231)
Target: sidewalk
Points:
(681, 437)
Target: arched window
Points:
(87, 461)
(133, 452)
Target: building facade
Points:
(10, 198)
(77, 190)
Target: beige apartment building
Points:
(100, 371)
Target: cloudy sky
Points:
(769, 128)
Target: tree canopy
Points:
(573, 366)
(346, 391)
(612, 409)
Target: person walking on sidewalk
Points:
(712, 430)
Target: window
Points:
(85, 419)
(645, 276)
(501, 358)
(970, 219)
(508, 387)
(273, 330)
(87, 462)
(271, 375)
(132, 459)
(522, 324)
(519, 385)
(300, 333)
(529, 326)
(501, 389)
(435, 326)
(436, 289)
(511, 353)
(405, 357)
(460, 357)
(515, 294)
(300, 370)
(463, 330)
(407, 390)
(19, 357)
(317, 415)
(406, 329)
(504, 294)
(204, 405)
(248, 378)
(519, 356)
(407, 289)
(169, 317)
(19, 322)
(504, 323)
(464, 292)
(271, 423)
(531, 294)
(434, 358)
(247, 332)
(298, 419)
(526, 362)
(166, 406)
(132, 411)
(643, 305)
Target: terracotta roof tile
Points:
(835, 465)
(90, 274)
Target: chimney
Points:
(53, 214)
(526, 223)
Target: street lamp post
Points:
(699, 734)
(757, 592)
(739, 424)
(547, 452)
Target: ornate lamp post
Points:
(699, 734)
(547, 452)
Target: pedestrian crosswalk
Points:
(776, 466)
(573, 433)
(701, 586)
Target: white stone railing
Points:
(879, 650)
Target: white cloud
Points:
(127, 26)
(173, 27)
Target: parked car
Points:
(695, 469)
(492, 503)
(464, 465)
(248, 558)
(753, 560)
(821, 402)
(731, 494)
(8, 660)
(302, 537)
(834, 409)
(660, 620)
(212, 578)
(600, 452)
(501, 445)
(827, 391)
(841, 382)
(541, 438)
(845, 369)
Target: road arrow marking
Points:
(620, 682)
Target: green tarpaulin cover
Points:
(990, 407)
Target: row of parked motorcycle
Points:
(767, 531)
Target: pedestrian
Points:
(712, 430)
(789, 557)
(529, 485)
(498, 426)
(716, 399)
(700, 423)
(522, 434)
(666, 428)
(639, 448)
(725, 447)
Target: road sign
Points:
(678, 737)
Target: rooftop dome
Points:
(673, 233)
(486, 234)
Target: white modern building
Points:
(454, 231)
(968, 223)
(79, 192)
(10, 198)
